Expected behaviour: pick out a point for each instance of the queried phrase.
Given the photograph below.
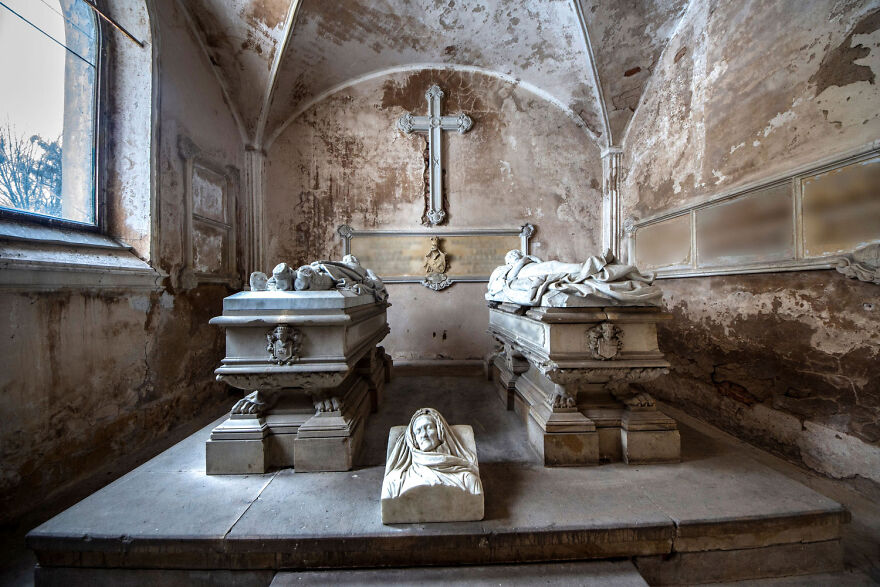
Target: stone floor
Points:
(721, 499)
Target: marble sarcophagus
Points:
(303, 345)
(576, 340)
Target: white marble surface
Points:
(294, 300)
(431, 472)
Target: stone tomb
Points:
(313, 372)
(567, 373)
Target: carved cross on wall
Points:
(433, 124)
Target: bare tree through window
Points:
(48, 79)
(30, 173)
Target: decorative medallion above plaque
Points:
(434, 259)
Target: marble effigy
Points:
(525, 280)
(575, 340)
(302, 344)
(431, 472)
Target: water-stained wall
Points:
(89, 375)
(733, 100)
(344, 161)
(787, 360)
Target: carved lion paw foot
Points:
(564, 401)
(640, 400)
(330, 404)
(251, 404)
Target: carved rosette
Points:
(603, 341)
(863, 264)
(434, 92)
(284, 343)
(436, 216)
(437, 281)
(464, 123)
(406, 123)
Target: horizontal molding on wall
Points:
(807, 218)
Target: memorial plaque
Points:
(841, 208)
(208, 194)
(399, 257)
(754, 228)
(665, 244)
(209, 249)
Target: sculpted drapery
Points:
(525, 279)
(448, 463)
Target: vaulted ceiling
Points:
(277, 57)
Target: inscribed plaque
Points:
(841, 208)
(754, 228)
(471, 257)
(665, 244)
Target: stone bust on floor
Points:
(430, 453)
(431, 472)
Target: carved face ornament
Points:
(426, 433)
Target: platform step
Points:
(605, 573)
(716, 516)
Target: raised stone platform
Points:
(716, 516)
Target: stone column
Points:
(254, 161)
(611, 206)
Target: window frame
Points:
(99, 206)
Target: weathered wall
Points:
(733, 100)
(787, 360)
(88, 376)
(343, 161)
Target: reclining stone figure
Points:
(598, 281)
(347, 274)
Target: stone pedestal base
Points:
(237, 446)
(292, 434)
(505, 369)
(505, 382)
(559, 433)
(375, 369)
(578, 394)
(329, 441)
(649, 436)
(235, 457)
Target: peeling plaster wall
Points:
(788, 361)
(733, 100)
(344, 161)
(628, 37)
(539, 42)
(242, 38)
(89, 376)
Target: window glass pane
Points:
(48, 52)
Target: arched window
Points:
(48, 110)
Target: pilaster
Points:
(612, 222)
(254, 163)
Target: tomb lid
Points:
(285, 301)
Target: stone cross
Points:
(432, 124)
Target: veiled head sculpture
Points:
(430, 452)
